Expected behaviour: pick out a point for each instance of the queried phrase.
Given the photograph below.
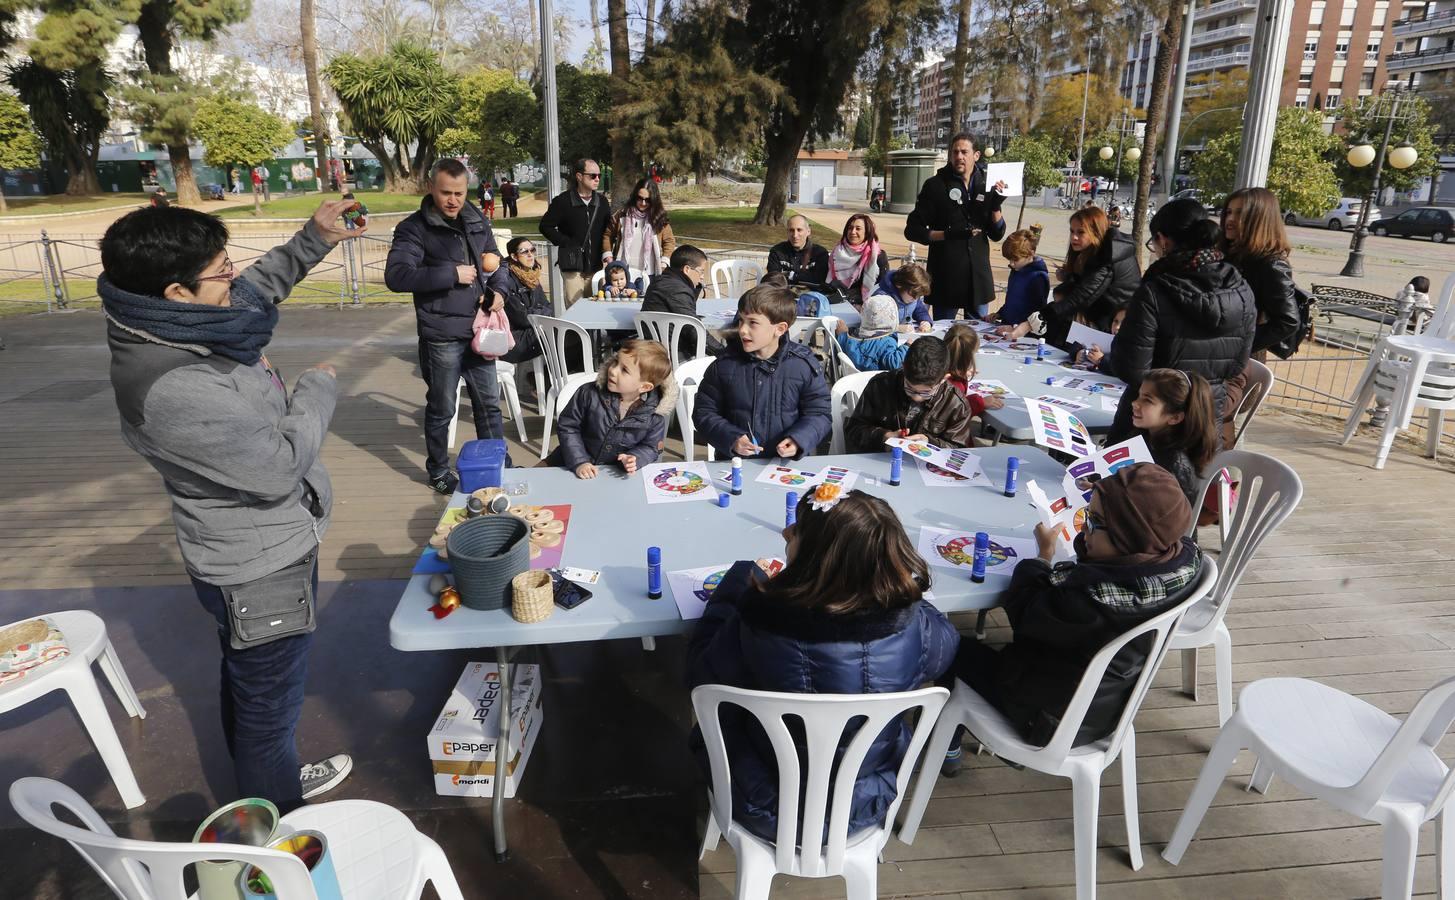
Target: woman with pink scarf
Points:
(857, 261)
(640, 233)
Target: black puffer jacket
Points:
(1198, 320)
(809, 266)
(521, 303)
(1272, 283)
(672, 292)
(423, 261)
(1105, 286)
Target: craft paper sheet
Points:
(955, 459)
(934, 476)
(677, 482)
(800, 480)
(1058, 429)
(1087, 382)
(692, 588)
(956, 550)
(989, 387)
(1068, 405)
(1012, 173)
(1088, 337)
(1082, 476)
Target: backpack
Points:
(812, 304)
(1290, 345)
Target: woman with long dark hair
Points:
(857, 261)
(1193, 312)
(640, 234)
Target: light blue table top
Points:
(612, 525)
(618, 315)
(1029, 380)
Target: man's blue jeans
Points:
(262, 698)
(447, 362)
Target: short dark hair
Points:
(776, 304)
(148, 249)
(447, 165)
(777, 279)
(686, 255)
(1421, 284)
(963, 136)
(927, 361)
(513, 245)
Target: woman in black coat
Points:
(519, 280)
(1193, 312)
(1098, 278)
(1255, 243)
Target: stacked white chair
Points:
(731, 277)
(565, 378)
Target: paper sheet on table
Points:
(1103, 385)
(677, 482)
(692, 588)
(968, 476)
(800, 480)
(989, 387)
(1069, 405)
(1012, 173)
(956, 550)
(1058, 429)
(955, 459)
(1108, 403)
(1086, 337)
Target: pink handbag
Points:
(492, 334)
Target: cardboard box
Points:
(462, 741)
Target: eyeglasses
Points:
(1151, 244)
(915, 393)
(1091, 524)
(228, 273)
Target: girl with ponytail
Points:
(1193, 312)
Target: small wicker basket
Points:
(532, 597)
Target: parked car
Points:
(1345, 215)
(1423, 221)
(1196, 194)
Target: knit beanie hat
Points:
(880, 315)
(1144, 512)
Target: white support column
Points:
(553, 140)
(1265, 84)
(1170, 140)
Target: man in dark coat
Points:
(958, 215)
(442, 254)
(509, 196)
(804, 262)
(574, 222)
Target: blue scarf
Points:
(239, 331)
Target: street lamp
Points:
(1134, 153)
(989, 152)
(1402, 157)
(1106, 153)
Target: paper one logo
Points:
(450, 748)
(487, 699)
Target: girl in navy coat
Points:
(847, 615)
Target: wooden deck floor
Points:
(1355, 590)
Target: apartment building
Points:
(1424, 47)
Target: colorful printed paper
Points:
(956, 459)
(1068, 405)
(1087, 383)
(1058, 429)
(800, 480)
(934, 476)
(956, 550)
(677, 482)
(1082, 476)
(989, 387)
(1066, 514)
(692, 588)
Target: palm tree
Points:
(315, 94)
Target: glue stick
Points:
(654, 573)
(1012, 466)
(982, 553)
(737, 475)
(790, 508)
(896, 465)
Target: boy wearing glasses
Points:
(914, 401)
(575, 222)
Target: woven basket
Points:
(532, 596)
(485, 554)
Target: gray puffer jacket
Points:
(238, 454)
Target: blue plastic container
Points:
(481, 464)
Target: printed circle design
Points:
(945, 473)
(709, 584)
(679, 482)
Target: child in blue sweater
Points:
(876, 347)
(1029, 284)
(907, 287)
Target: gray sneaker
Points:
(324, 775)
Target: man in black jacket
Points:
(676, 291)
(805, 263)
(958, 216)
(442, 254)
(575, 222)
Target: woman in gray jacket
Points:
(238, 454)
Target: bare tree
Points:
(651, 36)
(957, 68)
(624, 165)
(309, 34)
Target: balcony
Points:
(1219, 61)
(1224, 7)
(1436, 23)
(1436, 58)
(1219, 35)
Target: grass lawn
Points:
(62, 203)
(704, 226)
(303, 205)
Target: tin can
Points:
(309, 846)
(252, 821)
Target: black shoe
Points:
(445, 484)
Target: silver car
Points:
(1345, 215)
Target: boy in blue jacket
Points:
(908, 286)
(1029, 283)
(766, 395)
(876, 347)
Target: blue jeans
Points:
(262, 698)
(444, 363)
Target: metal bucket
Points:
(251, 821)
(309, 846)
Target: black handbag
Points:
(275, 606)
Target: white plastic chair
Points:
(822, 847)
(1268, 493)
(666, 329)
(86, 636)
(505, 377)
(1083, 764)
(632, 274)
(731, 277)
(1348, 753)
(564, 379)
(1260, 384)
(689, 377)
(1411, 370)
(844, 397)
(846, 365)
(376, 852)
